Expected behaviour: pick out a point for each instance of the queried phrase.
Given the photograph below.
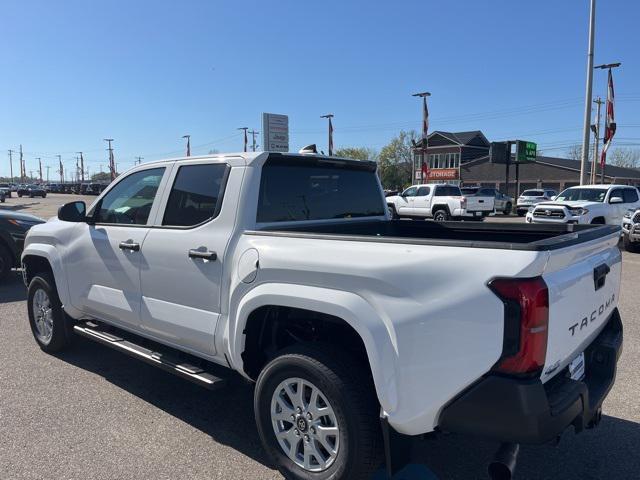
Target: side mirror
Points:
(616, 200)
(73, 212)
(553, 197)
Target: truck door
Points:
(406, 201)
(184, 255)
(422, 202)
(104, 259)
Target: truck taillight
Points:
(526, 323)
(463, 202)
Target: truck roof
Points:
(602, 187)
(257, 157)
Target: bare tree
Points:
(624, 157)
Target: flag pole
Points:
(425, 132)
(610, 121)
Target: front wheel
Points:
(393, 212)
(317, 415)
(630, 246)
(49, 324)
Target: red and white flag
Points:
(425, 172)
(610, 122)
(330, 137)
(425, 117)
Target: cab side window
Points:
(196, 195)
(422, 192)
(630, 195)
(129, 202)
(618, 192)
(410, 192)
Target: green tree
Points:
(395, 166)
(357, 153)
(101, 177)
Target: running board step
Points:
(166, 361)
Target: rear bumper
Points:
(527, 411)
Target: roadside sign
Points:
(275, 132)
(525, 151)
(498, 152)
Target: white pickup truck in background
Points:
(287, 270)
(587, 204)
(441, 202)
(631, 230)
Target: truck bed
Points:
(463, 234)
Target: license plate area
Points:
(577, 368)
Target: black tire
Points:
(629, 246)
(598, 221)
(44, 195)
(6, 262)
(441, 215)
(394, 213)
(507, 208)
(349, 391)
(20, 195)
(521, 213)
(61, 334)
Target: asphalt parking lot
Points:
(92, 413)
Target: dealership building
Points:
(462, 158)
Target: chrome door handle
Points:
(205, 254)
(133, 246)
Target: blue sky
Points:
(147, 72)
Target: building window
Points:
(417, 161)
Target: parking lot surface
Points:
(92, 413)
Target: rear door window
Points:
(447, 191)
(196, 195)
(630, 195)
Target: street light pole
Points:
(588, 94)
(329, 116)
(245, 136)
(425, 131)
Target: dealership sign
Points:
(443, 174)
(275, 132)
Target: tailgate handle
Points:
(600, 275)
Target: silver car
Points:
(532, 197)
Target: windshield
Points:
(584, 194)
(295, 189)
(533, 193)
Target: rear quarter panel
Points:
(433, 326)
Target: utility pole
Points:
(40, 167)
(245, 137)
(112, 164)
(253, 139)
(138, 160)
(596, 140)
(60, 169)
(11, 164)
(47, 167)
(81, 166)
(188, 137)
(425, 134)
(588, 95)
(329, 116)
(23, 171)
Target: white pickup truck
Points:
(440, 202)
(355, 328)
(596, 204)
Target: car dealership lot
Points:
(86, 415)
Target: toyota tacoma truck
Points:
(631, 230)
(598, 204)
(441, 202)
(288, 270)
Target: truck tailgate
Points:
(584, 283)
(480, 204)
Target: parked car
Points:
(6, 189)
(598, 204)
(345, 320)
(32, 191)
(528, 198)
(441, 202)
(13, 228)
(53, 187)
(631, 230)
(502, 203)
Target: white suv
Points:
(533, 197)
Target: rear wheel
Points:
(49, 324)
(507, 209)
(317, 415)
(441, 215)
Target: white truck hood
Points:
(571, 204)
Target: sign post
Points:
(275, 132)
